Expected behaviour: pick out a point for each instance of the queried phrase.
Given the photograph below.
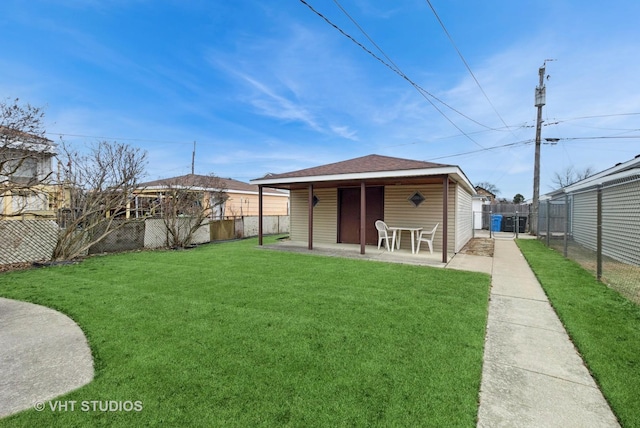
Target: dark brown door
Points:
(349, 214)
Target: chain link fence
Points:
(598, 227)
(26, 241)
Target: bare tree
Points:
(569, 175)
(186, 202)
(25, 156)
(100, 184)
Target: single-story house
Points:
(239, 199)
(340, 202)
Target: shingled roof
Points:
(370, 163)
(206, 182)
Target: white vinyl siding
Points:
(299, 215)
(464, 218)
(325, 216)
(399, 211)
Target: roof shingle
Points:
(206, 182)
(370, 163)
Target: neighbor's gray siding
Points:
(584, 219)
(621, 222)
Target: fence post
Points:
(599, 233)
(490, 223)
(566, 224)
(517, 225)
(548, 222)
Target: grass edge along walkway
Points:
(603, 325)
(231, 335)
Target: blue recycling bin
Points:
(496, 222)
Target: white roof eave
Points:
(448, 170)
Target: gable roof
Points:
(364, 168)
(207, 182)
(481, 189)
(19, 140)
(620, 171)
(370, 163)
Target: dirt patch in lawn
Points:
(15, 266)
(479, 247)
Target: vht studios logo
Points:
(89, 406)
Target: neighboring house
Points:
(613, 195)
(26, 177)
(402, 192)
(481, 191)
(479, 201)
(240, 199)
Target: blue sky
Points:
(272, 87)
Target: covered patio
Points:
(339, 203)
(352, 251)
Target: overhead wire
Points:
(422, 91)
(402, 74)
(466, 64)
(144, 140)
(530, 141)
(487, 149)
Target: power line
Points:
(397, 71)
(464, 61)
(613, 137)
(448, 137)
(146, 140)
(526, 142)
(487, 149)
(596, 117)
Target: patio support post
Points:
(445, 218)
(310, 228)
(363, 216)
(259, 214)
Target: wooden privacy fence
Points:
(221, 230)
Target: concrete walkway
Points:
(532, 375)
(43, 354)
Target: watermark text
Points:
(89, 406)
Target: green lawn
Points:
(232, 335)
(604, 326)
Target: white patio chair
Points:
(383, 233)
(428, 238)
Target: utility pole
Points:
(193, 158)
(539, 102)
